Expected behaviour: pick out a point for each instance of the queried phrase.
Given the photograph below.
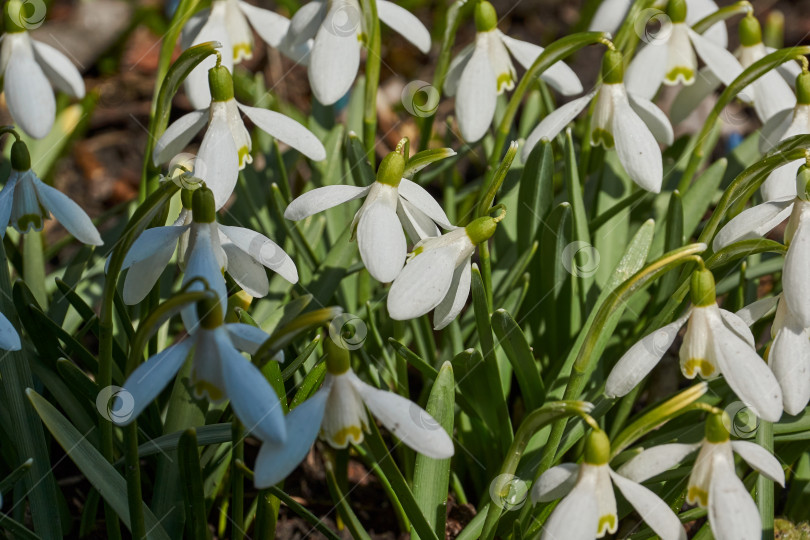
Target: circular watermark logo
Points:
(266, 251)
(115, 404)
(422, 418)
(508, 492)
(186, 170)
(661, 340)
(344, 21)
(348, 331)
(28, 14)
(580, 259)
(740, 420)
(421, 99)
(653, 26)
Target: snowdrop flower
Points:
(226, 21)
(714, 484)
(26, 202)
(29, 68)
(225, 148)
(391, 203)
(332, 31)
(9, 338)
(716, 342)
(438, 274)
(218, 371)
(206, 249)
(588, 509)
(673, 58)
(621, 119)
(483, 71)
(338, 413)
(783, 125)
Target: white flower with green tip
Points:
(716, 342)
(26, 202)
(621, 119)
(392, 202)
(9, 338)
(714, 484)
(226, 146)
(327, 36)
(337, 412)
(588, 506)
(231, 23)
(218, 372)
(206, 250)
(29, 68)
(437, 274)
(483, 70)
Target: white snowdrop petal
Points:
(422, 284)
(404, 23)
(641, 358)
(755, 222)
(789, 359)
(322, 198)
(456, 69)
(335, 56)
(757, 310)
(760, 460)
(253, 400)
(745, 372)
(202, 262)
(381, 241)
(699, 9)
(609, 16)
(781, 183)
(636, 147)
(416, 224)
(263, 250)
(576, 517)
(651, 508)
(196, 83)
(772, 95)
(147, 259)
(794, 273)
(555, 483)
(424, 201)
(555, 122)
(559, 76)
(178, 135)
(7, 201)
(246, 271)
(737, 325)
(148, 380)
(456, 298)
(286, 130)
(774, 129)
(306, 21)
(718, 59)
(733, 515)
(59, 69)
(656, 460)
(9, 338)
(217, 162)
(690, 97)
(276, 461)
(246, 337)
(270, 26)
(28, 93)
(654, 118)
(68, 213)
(407, 421)
(647, 70)
(476, 94)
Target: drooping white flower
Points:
(26, 202)
(9, 338)
(621, 119)
(206, 250)
(338, 413)
(437, 274)
(29, 68)
(483, 70)
(225, 148)
(716, 342)
(229, 22)
(714, 484)
(588, 507)
(327, 36)
(673, 58)
(392, 202)
(218, 372)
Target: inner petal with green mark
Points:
(607, 523)
(680, 74)
(342, 437)
(697, 495)
(693, 366)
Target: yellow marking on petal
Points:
(342, 437)
(693, 366)
(27, 222)
(680, 74)
(606, 523)
(695, 495)
(602, 137)
(505, 82)
(242, 51)
(203, 388)
(244, 157)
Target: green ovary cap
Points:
(481, 229)
(803, 183)
(186, 196)
(597, 448)
(210, 313)
(486, 19)
(392, 167)
(803, 88)
(203, 207)
(20, 158)
(337, 357)
(750, 31)
(612, 67)
(676, 11)
(221, 83)
(716, 430)
(702, 290)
